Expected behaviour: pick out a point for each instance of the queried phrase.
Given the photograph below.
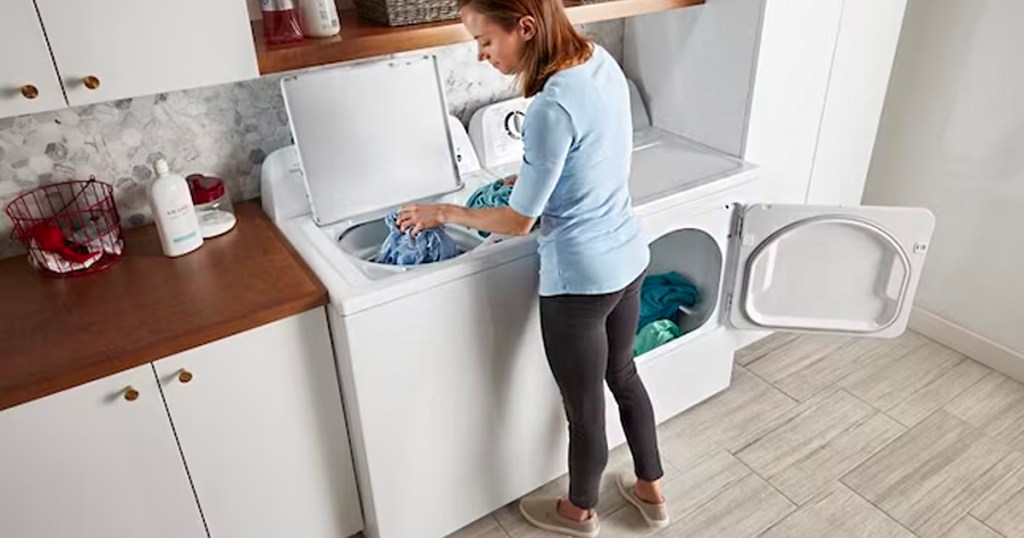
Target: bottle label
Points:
(178, 211)
(277, 5)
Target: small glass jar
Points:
(212, 203)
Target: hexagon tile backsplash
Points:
(225, 131)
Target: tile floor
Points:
(833, 437)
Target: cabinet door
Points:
(112, 49)
(89, 462)
(28, 81)
(860, 78)
(798, 38)
(261, 426)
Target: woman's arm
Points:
(548, 134)
(500, 220)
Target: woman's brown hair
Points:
(555, 46)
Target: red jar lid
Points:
(205, 189)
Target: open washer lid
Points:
(371, 136)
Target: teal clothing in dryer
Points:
(402, 248)
(661, 296)
(655, 335)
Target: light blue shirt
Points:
(578, 140)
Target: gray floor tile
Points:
(763, 347)
(1003, 508)
(838, 512)
(969, 527)
(680, 450)
(795, 356)
(895, 380)
(486, 527)
(929, 478)
(826, 437)
(922, 403)
(734, 418)
(744, 510)
(996, 406)
(857, 355)
(1009, 519)
(702, 481)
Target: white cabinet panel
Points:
(797, 43)
(26, 69)
(88, 462)
(863, 61)
(147, 46)
(260, 422)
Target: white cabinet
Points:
(111, 49)
(256, 424)
(28, 81)
(798, 39)
(261, 426)
(96, 460)
(864, 55)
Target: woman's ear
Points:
(527, 27)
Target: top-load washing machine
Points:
(452, 411)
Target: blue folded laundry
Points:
(661, 296)
(402, 248)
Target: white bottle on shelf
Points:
(319, 18)
(173, 212)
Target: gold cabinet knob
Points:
(29, 91)
(91, 82)
(131, 394)
(184, 375)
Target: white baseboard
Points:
(975, 346)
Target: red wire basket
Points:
(69, 228)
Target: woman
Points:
(577, 139)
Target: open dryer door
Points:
(843, 270)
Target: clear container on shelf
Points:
(280, 21)
(213, 204)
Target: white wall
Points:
(951, 135)
(713, 52)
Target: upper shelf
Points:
(360, 38)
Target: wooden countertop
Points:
(58, 333)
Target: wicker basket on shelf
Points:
(405, 12)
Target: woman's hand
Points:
(421, 217)
(499, 220)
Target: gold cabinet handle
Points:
(131, 394)
(91, 82)
(184, 375)
(29, 91)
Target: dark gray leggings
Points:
(589, 341)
